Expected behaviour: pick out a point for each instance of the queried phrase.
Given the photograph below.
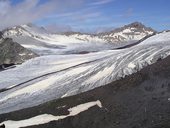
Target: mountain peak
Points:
(136, 24)
(131, 32)
(139, 25)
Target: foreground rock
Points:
(141, 100)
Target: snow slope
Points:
(55, 76)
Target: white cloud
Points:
(101, 2)
(22, 13)
(54, 14)
(28, 11)
(103, 29)
(87, 16)
(129, 12)
(58, 28)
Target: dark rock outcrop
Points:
(13, 53)
(1, 34)
(2, 126)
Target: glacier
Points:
(56, 76)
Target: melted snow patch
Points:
(22, 54)
(46, 118)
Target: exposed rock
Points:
(2, 126)
(1, 34)
(13, 53)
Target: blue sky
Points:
(89, 15)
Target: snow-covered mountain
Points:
(129, 33)
(55, 76)
(42, 42)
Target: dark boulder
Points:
(2, 126)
